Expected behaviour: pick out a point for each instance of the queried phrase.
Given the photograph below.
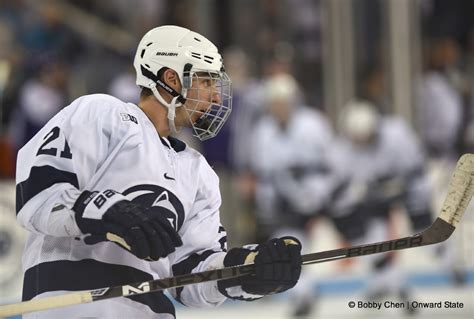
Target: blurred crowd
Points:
(282, 161)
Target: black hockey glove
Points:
(145, 232)
(277, 267)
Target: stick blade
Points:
(438, 232)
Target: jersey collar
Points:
(170, 142)
(174, 143)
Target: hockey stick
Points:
(460, 191)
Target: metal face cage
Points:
(208, 102)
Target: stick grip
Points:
(460, 191)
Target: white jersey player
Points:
(109, 198)
(289, 147)
(381, 160)
(289, 150)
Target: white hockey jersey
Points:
(291, 162)
(97, 143)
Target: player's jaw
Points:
(199, 102)
(201, 105)
(197, 110)
(190, 113)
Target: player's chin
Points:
(196, 116)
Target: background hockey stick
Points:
(460, 191)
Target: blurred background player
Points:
(440, 100)
(289, 146)
(381, 161)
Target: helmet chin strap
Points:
(172, 115)
(170, 106)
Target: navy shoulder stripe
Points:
(88, 274)
(41, 178)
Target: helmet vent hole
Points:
(147, 65)
(195, 55)
(142, 54)
(197, 39)
(149, 44)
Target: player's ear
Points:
(171, 78)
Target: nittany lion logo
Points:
(153, 195)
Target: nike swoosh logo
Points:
(169, 177)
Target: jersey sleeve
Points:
(62, 159)
(204, 243)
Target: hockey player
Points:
(289, 149)
(381, 160)
(289, 158)
(110, 198)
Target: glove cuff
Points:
(82, 201)
(91, 206)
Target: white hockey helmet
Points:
(359, 120)
(281, 87)
(191, 56)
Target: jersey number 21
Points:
(51, 136)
